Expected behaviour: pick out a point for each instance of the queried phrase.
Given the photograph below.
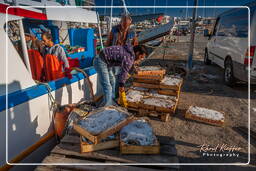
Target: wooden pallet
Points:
(68, 153)
(110, 131)
(136, 149)
(87, 147)
(189, 115)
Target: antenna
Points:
(111, 11)
(154, 6)
(204, 9)
(105, 8)
(187, 10)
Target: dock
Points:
(68, 153)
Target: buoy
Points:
(60, 118)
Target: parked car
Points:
(228, 44)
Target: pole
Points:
(154, 6)
(214, 8)
(98, 18)
(24, 46)
(192, 38)
(111, 11)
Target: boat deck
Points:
(68, 151)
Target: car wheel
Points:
(207, 61)
(229, 78)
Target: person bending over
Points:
(123, 56)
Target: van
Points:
(228, 44)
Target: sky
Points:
(180, 12)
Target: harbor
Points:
(98, 85)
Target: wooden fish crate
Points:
(168, 92)
(147, 81)
(159, 108)
(140, 149)
(171, 87)
(189, 115)
(155, 111)
(162, 89)
(80, 112)
(110, 131)
(131, 103)
(139, 88)
(146, 85)
(154, 72)
(165, 117)
(87, 147)
(152, 77)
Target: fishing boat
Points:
(26, 118)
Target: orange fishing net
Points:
(53, 68)
(36, 64)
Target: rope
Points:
(54, 105)
(88, 81)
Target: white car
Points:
(228, 44)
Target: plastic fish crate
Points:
(110, 131)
